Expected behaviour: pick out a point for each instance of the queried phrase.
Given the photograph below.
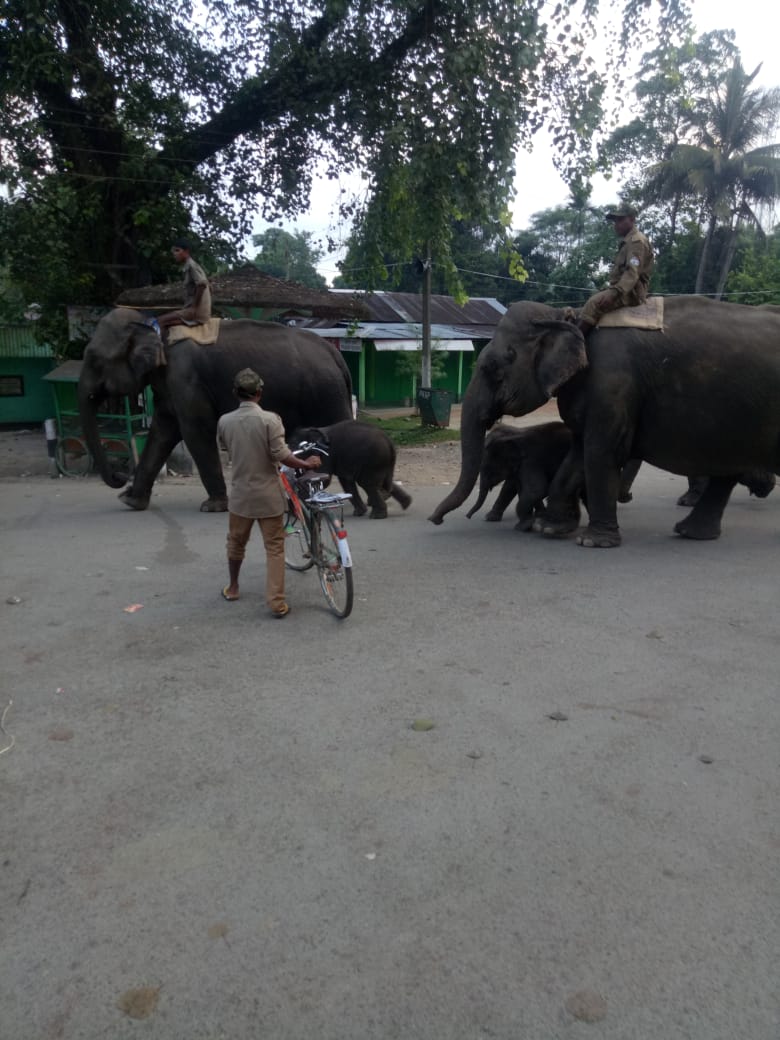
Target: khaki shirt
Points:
(254, 440)
(194, 275)
(632, 268)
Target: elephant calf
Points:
(358, 454)
(525, 461)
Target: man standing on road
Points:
(254, 440)
(629, 278)
(197, 294)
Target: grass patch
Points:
(408, 432)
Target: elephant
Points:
(526, 460)
(306, 381)
(757, 482)
(358, 453)
(700, 396)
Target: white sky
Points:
(538, 185)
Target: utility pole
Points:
(426, 318)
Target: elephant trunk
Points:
(89, 398)
(483, 494)
(478, 415)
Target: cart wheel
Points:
(73, 459)
(117, 449)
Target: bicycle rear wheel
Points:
(335, 578)
(297, 543)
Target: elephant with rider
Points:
(306, 381)
(699, 396)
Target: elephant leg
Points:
(530, 499)
(696, 487)
(627, 477)
(402, 497)
(602, 479)
(200, 437)
(501, 504)
(351, 488)
(376, 500)
(561, 516)
(163, 437)
(703, 522)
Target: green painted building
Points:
(24, 396)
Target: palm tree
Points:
(722, 168)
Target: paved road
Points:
(241, 838)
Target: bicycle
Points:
(315, 533)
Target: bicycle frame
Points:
(326, 535)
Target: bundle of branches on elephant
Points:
(524, 462)
(700, 396)
(359, 454)
(306, 382)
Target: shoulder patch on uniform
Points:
(634, 261)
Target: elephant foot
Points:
(624, 497)
(377, 514)
(526, 524)
(550, 528)
(214, 505)
(689, 499)
(697, 529)
(593, 538)
(134, 502)
(492, 517)
(359, 511)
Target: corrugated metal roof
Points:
(394, 307)
(18, 341)
(408, 330)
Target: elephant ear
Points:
(560, 356)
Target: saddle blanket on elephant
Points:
(204, 334)
(647, 315)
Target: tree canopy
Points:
(293, 257)
(124, 122)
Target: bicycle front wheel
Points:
(297, 543)
(335, 578)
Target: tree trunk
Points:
(705, 255)
(728, 259)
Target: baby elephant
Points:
(358, 454)
(526, 460)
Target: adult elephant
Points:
(701, 396)
(307, 382)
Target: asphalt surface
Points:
(218, 825)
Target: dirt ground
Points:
(23, 453)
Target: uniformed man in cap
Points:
(254, 440)
(197, 293)
(629, 279)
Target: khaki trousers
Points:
(272, 530)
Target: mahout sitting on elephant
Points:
(358, 453)
(306, 381)
(702, 395)
(524, 461)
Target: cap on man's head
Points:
(623, 210)
(248, 382)
(181, 243)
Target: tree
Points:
(126, 121)
(719, 166)
(289, 256)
